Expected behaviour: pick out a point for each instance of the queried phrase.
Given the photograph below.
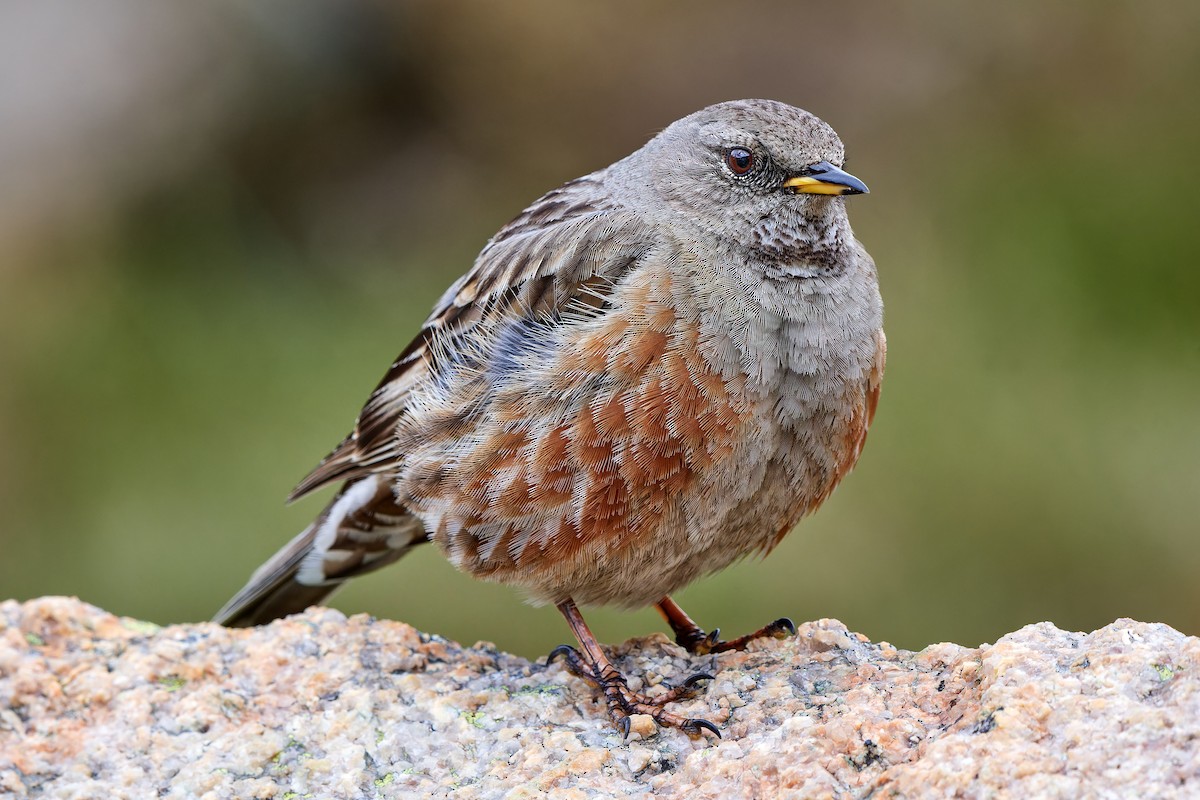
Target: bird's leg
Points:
(691, 636)
(591, 664)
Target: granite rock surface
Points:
(321, 706)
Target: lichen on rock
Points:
(318, 705)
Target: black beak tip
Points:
(828, 173)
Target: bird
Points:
(653, 371)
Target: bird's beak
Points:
(825, 178)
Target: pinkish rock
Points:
(318, 705)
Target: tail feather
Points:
(361, 530)
(273, 590)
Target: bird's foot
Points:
(623, 702)
(699, 643)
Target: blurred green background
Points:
(220, 221)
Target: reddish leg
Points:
(691, 636)
(590, 663)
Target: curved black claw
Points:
(688, 689)
(779, 629)
(562, 651)
(572, 661)
(694, 726)
(783, 625)
(623, 723)
(699, 677)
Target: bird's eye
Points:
(739, 160)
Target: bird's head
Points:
(759, 175)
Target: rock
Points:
(318, 705)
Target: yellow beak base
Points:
(814, 186)
(825, 178)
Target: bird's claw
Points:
(623, 702)
(695, 727)
(697, 678)
(707, 644)
(573, 662)
(782, 628)
(624, 724)
(562, 651)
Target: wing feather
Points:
(555, 257)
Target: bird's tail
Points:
(361, 530)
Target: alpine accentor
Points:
(653, 371)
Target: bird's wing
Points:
(875, 377)
(565, 249)
(563, 253)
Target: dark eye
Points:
(739, 160)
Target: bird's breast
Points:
(642, 431)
